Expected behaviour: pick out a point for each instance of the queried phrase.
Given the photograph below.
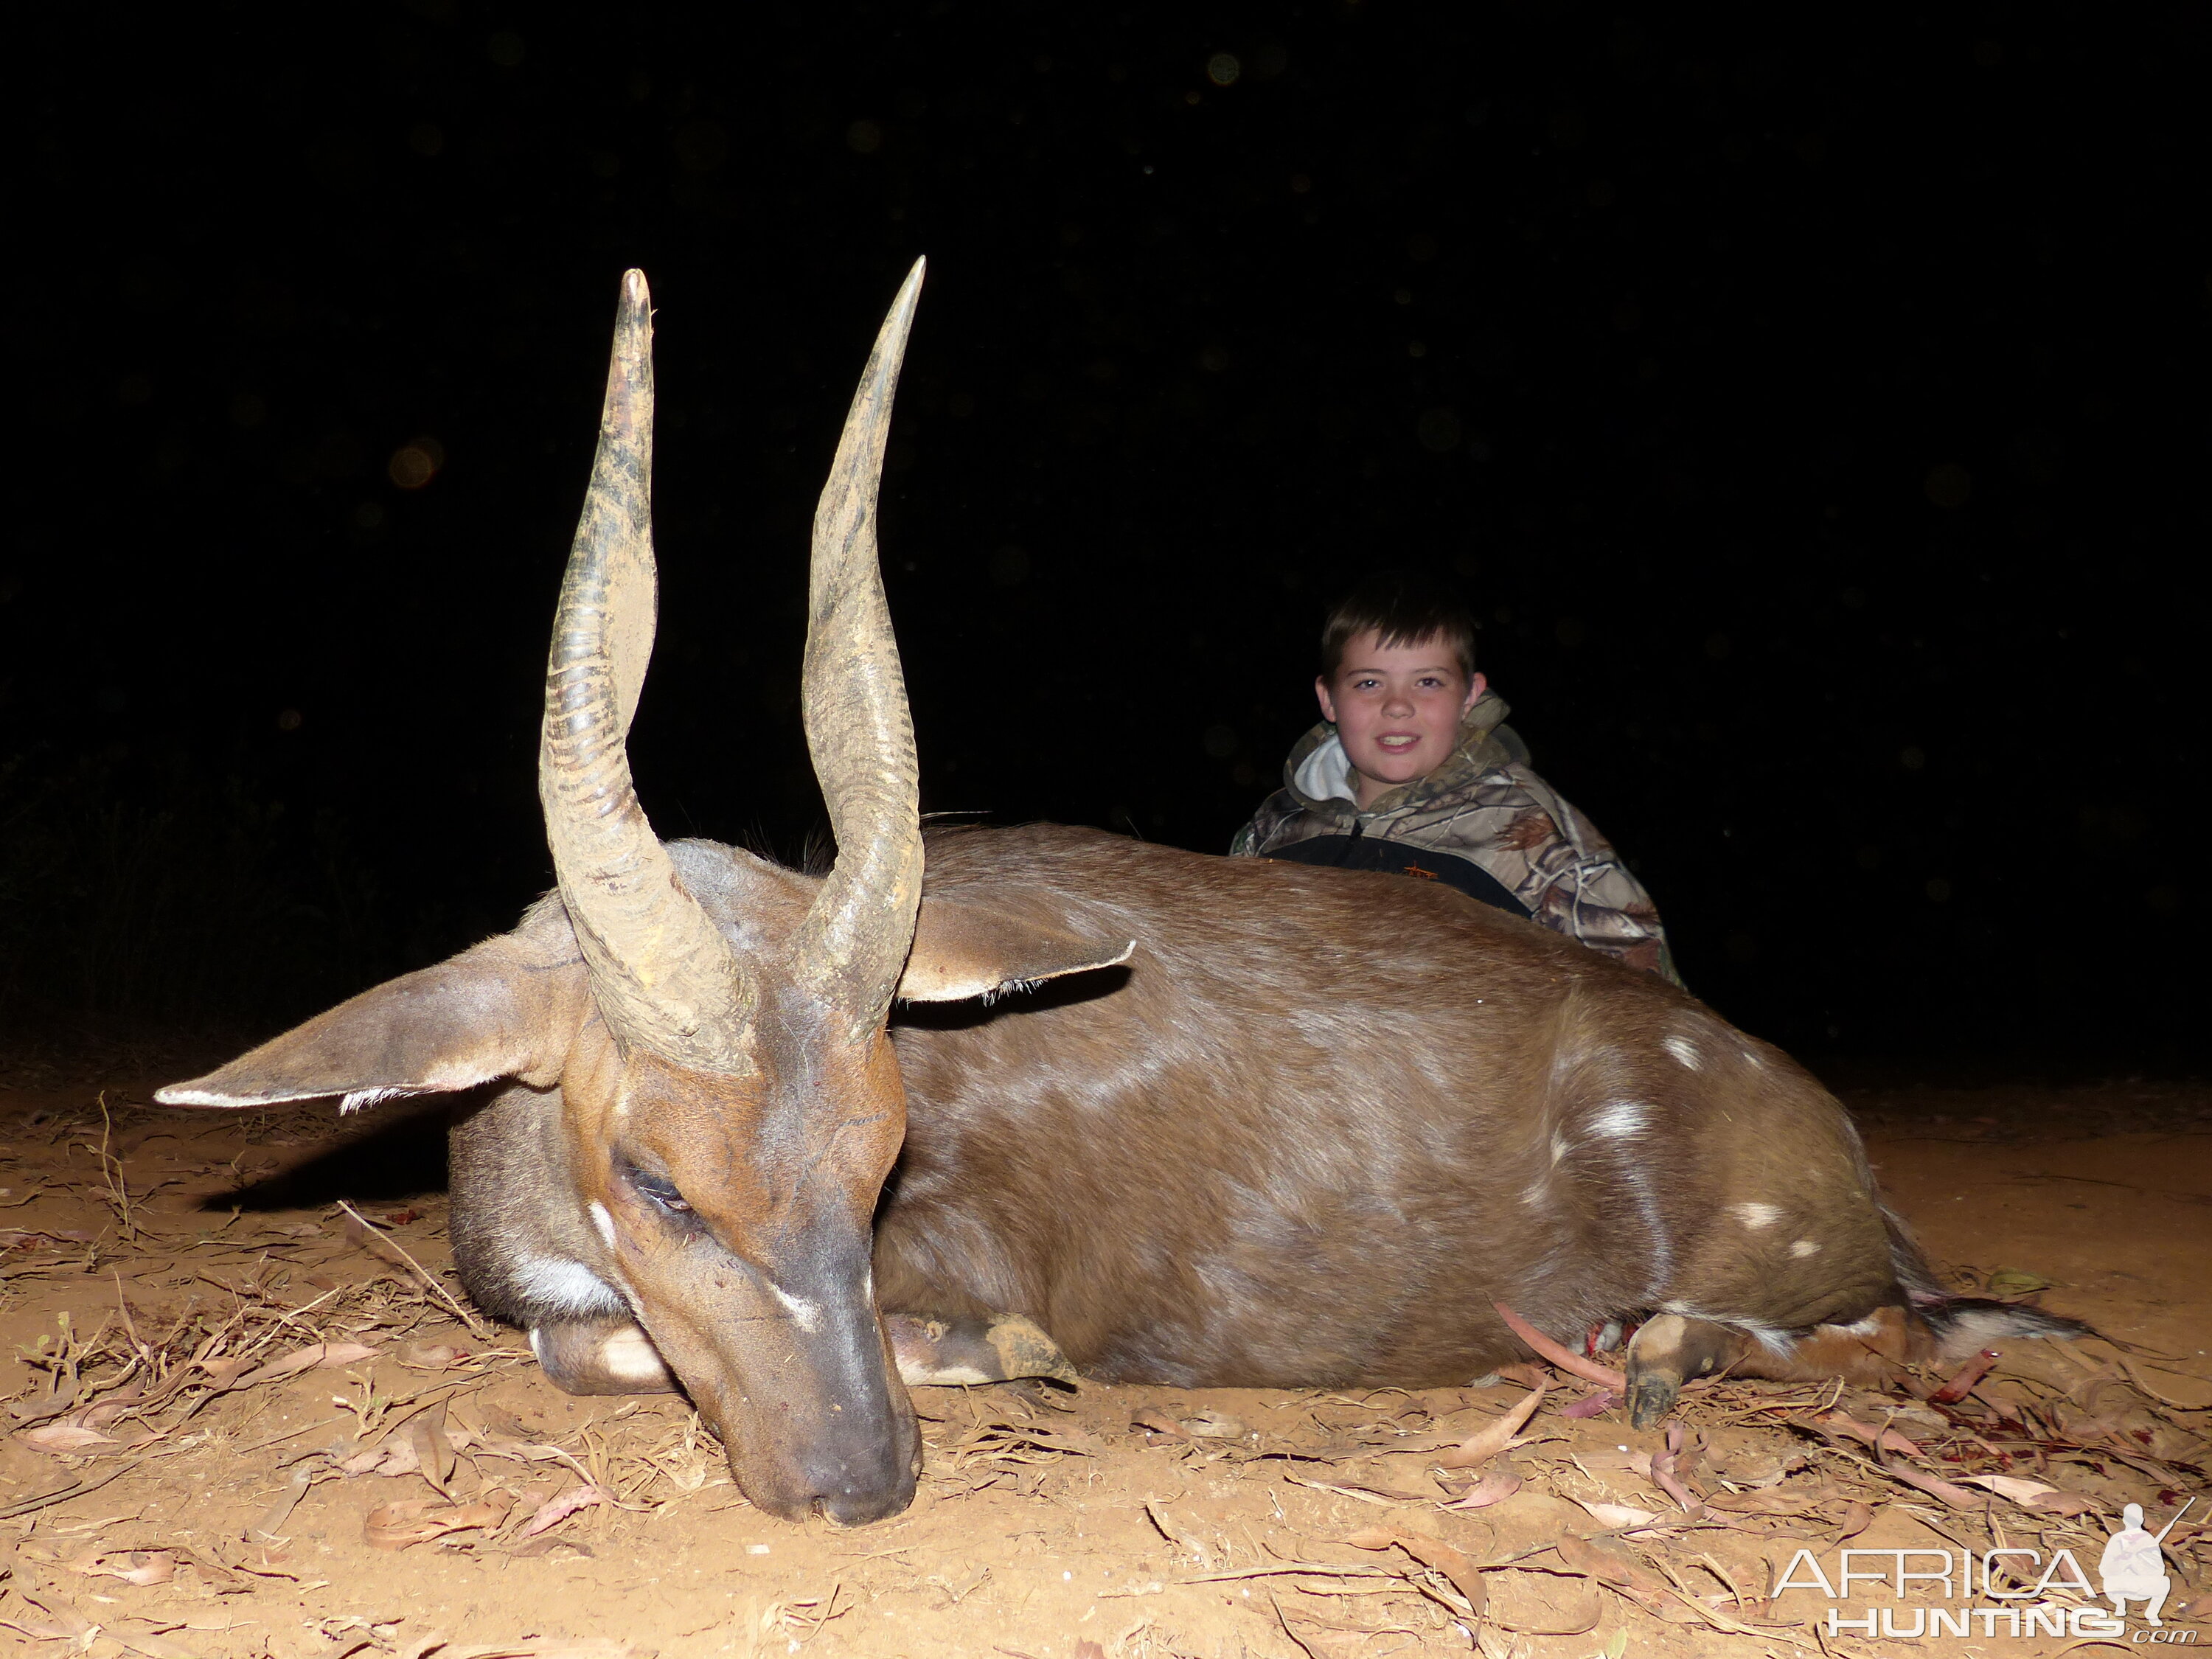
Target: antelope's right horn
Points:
(663, 975)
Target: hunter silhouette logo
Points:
(2133, 1567)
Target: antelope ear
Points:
(490, 1012)
(965, 948)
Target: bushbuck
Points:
(1202, 1120)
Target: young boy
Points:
(1414, 771)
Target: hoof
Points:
(954, 1352)
(1025, 1350)
(1650, 1397)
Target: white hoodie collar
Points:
(1325, 775)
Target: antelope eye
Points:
(661, 1190)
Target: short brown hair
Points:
(1399, 607)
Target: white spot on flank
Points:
(1535, 1193)
(1755, 1216)
(1559, 1147)
(807, 1314)
(603, 1221)
(1620, 1118)
(1867, 1327)
(1804, 1247)
(1683, 1049)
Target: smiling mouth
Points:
(1397, 743)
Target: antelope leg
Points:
(1665, 1352)
(599, 1356)
(997, 1349)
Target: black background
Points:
(1814, 407)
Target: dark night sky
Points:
(1814, 408)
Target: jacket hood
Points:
(1319, 774)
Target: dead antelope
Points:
(1266, 1124)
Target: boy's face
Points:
(1397, 708)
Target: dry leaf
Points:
(152, 1647)
(1609, 1562)
(2032, 1494)
(268, 1563)
(1614, 1460)
(1754, 1466)
(1384, 1495)
(376, 1244)
(1591, 1405)
(418, 1520)
(1495, 1487)
(430, 1356)
(1667, 1466)
(554, 1510)
(1539, 1604)
(1153, 1420)
(1775, 1500)
(434, 1453)
(1614, 1516)
(1494, 1438)
(112, 1405)
(70, 1439)
(527, 1452)
(395, 1456)
(1213, 1426)
(71, 1624)
(316, 1356)
(1957, 1497)
(213, 1570)
(1526, 1375)
(144, 1568)
(1835, 1422)
(38, 1630)
(1433, 1553)
(1856, 1519)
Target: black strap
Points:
(1360, 852)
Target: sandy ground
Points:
(239, 1422)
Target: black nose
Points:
(858, 1509)
(871, 1483)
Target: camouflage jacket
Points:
(1483, 821)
